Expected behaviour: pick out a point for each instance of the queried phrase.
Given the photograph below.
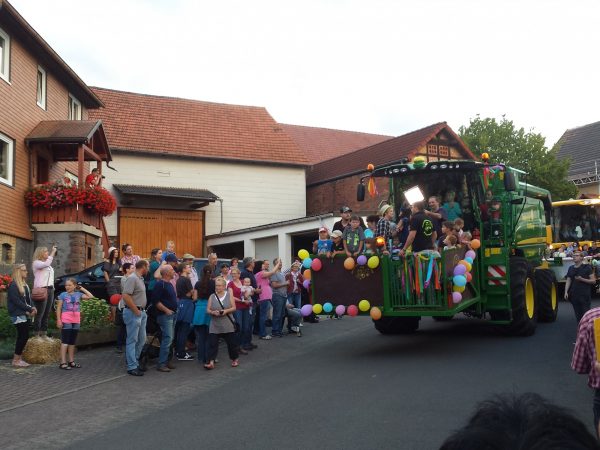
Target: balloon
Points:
(316, 265)
(307, 262)
(349, 263)
(306, 310)
(364, 305)
(459, 288)
(373, 262)
(375, 313)
(317, 308)
(469, 277)
(115, 299)
(306, 284)
(307, 274)
(368, 233)
(340, 310)
(361, 260)
(471, 254)
(459, 269)
(475, 244)
(303, 254)
(466, 264)
(469, 260)
(327, 307)
(352, 310)
(459, 280)
(456, 297)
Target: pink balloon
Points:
(352, 310)
(340, 310)
(316, 265)
(471, 254)
(306, 310)
(456, 297)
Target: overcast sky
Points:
(385, 67)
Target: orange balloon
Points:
(306, 274)
(475, 244)
(380, 241)
(370, 167)
(375, 313)
(349, 263)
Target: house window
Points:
(444, 151)
(41, 88)
(74, 108)
(6, 253)
(432, 149)
(7, 149)
(4, 55)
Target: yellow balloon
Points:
(373, 262)
(364, 305)
(458, 288)
(306, 274)
(303, 254)
(375, 313)
(317, 308)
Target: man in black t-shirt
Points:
(578, 291)
(422, 234)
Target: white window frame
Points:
(74, 115)
(10, 143)
(5, 55)
(41, 93)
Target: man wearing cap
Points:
(344, 221)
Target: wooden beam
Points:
(91, 153)
(80, 162)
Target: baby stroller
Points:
(151, 348)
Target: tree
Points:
(522, 150)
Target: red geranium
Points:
(56, 196)
(5, 280)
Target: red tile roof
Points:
(320, 144)
(383, 153)
(167, 125)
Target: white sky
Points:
(376, 66)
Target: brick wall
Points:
(19, 114)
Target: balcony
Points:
(66, 214)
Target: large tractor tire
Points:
(397, 325)
(522, 295)
(546, 295)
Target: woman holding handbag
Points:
(220, 307)
(20, 308)
(43, 280)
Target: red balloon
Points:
(316, 265)
(115, 299)
(469, 277)
(352, 310)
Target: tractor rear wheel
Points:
(522, 296)
(546, 295)
(397, 325)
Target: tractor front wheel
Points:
(546, 295)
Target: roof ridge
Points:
(168, 97)
(582, 126)
(334, 129)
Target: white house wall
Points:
(252, 194)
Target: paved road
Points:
(342, 385)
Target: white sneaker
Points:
(301, 324)
(186, 357)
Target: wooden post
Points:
(80, 165)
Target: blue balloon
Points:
(307, 262)
(368, 233)
(327, 307)
(469, 260)
(459, 280)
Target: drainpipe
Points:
(220, 200)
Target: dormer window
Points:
(74, 108)
(41, 88)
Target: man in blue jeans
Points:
(164, 299)
(279, 300)
(134, 317)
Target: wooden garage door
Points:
(146, 229)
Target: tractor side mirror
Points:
(510, 184)
(360, 192)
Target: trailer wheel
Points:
(522, 299)
(546, 295)
(397, 325)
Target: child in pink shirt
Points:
(68, 319)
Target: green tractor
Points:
(509, 284)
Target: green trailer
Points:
(509, 283)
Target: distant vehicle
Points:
(92, 278)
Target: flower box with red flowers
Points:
(54, 196)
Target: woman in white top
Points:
(43, 276)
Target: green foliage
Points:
(94, 314)
(7, 329)
(520, 149)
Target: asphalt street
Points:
(342, 385)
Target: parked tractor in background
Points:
(507, 280)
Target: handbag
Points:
(40, 294)
(200, 316)
(236, 326)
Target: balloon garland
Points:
(462, 275)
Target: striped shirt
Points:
(584, 354)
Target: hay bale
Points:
(42, 351)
